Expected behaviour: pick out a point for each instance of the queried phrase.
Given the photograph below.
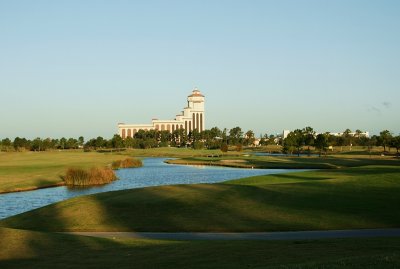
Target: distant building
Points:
(191, 118)
(363, 134)
(285, 133)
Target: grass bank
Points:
(27, 249)
(351, 198)
(291, 162)
(20, 171)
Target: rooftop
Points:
(196, 93)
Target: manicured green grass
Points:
(29, 170)
(351, 198)
(292, 162)
(27, 249)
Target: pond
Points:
(154, 173)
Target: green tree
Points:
(37, 144)
(321, 143)
(6, 144)
(396, 143)
(81, 141)
(295, 140)
(384, 138)
(249, 138)
(72, 143)
(117, 142)
(63, 142)
(340, 142)
(347, 137)
(129, 142)
(309, 137)
(235, 136)
(373, 141)
(165, 138)
(100, 142)
(21, 144)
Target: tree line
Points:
(213, 138)
(298, 141)
(303, 139)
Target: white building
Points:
(365, 134)
(191, 118)
(285, 133)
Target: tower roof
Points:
(196, 93)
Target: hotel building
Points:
(191, 118)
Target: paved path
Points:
(302, 235)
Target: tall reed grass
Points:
(127, 163)
(93, 176)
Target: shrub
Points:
(127, 163)
(224, 147)
(198, 145)
(93, 176)
(116, 164)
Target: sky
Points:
(72, 68)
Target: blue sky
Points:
(71, 68)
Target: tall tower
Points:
(196, 104)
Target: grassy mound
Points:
(93, 176)
(127, 163)
(27, 249)
(361, 197)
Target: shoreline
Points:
(60, 184)
(244, 165)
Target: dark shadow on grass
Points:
(314, 205)
(43, 250)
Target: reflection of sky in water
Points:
(154, 173)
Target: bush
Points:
(198, 145)
(116, 164)
(239, 147)
(94, 176)
(127, 163)
(224, 147)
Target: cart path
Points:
(300, 235)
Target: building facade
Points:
(191, 118)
